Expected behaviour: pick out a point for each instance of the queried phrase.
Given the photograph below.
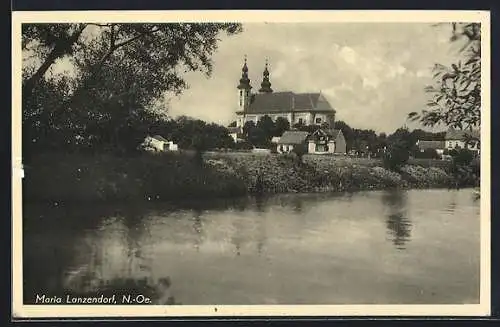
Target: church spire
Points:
(266, 84)
(244, 80)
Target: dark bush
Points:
(427, 154)
(462, 157)
(396, 156)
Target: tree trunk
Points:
(61, 48)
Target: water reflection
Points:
(108, 259)
(283, 249)
(398, 223)
(261, 203)
(197, 228)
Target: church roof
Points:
(278, 102)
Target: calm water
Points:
(387, 247)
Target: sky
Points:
(373, 74)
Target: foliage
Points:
(260, 134)
(456, 96)
(247, 127)
(347, 132)
(300, 151)
(462, 157)
(399, 146)
(428, 153)
(280, 126)
(117, 72)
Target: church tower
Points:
(244, 89)
(265, 86)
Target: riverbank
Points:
(175, 177)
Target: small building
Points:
(324, 141)
(158, 143)
(462, 139)
(439, 146)
(291, 140)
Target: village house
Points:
(439, 146)
(462, 139)
(322, 141)
(158, 143)
(326, 141)
(290, 140)
(297, 108)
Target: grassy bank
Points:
(173, 177)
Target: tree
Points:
(280, 126)
(365, 140)
(258, 137)
(118, 70)
(399, 146)
(249, 125)
(267, 126)
(456, 95)
(428, 153)
(233, 124)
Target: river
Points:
(376, 247)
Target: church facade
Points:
(297, 108)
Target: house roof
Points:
(456, 134)
(431, 145)
(332, 133)
(293, 137)
(160, 138)
(278, 102)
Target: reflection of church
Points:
(297, 108)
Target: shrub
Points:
(428, 154)
(462, 157)
(396, 156)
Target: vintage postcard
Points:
(251, 163)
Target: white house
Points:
(158, 143)
(439, 146)
(322, 141)
(462, 139)
(290, 140)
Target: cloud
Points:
(373, 74)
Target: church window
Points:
(301, 121)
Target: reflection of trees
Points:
(261, 203)
(197, 228)
(250, 230)
(297, 204)
(397, 221)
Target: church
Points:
(298, 108)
